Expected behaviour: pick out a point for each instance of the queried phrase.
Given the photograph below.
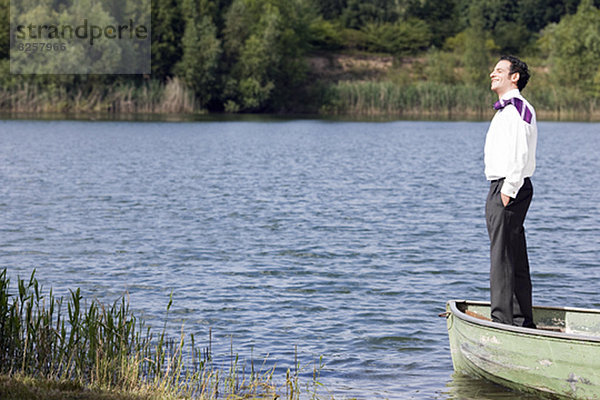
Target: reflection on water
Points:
(463, 387)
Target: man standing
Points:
(509, 162)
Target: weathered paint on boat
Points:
(561, 360)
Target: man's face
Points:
(502, 81)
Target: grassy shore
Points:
(371, 98)
(357, 99)
(357, 85)
(71, 349)
(150, 97)
(429, 99)
(21, 387)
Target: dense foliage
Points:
(252, 55)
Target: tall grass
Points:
(355, 97)
(108, 348)
(372, 98)
(149, 97)
(568, 103)
(422, 98)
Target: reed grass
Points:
(149, 97)
(418, 98)
(102, 348)
(430, 99)
(373, 98)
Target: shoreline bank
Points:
(543, 116)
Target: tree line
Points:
(251, 55)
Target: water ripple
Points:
(344, 239)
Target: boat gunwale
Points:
(518, 329)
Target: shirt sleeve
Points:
(517, 135)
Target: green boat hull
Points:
(560, 360)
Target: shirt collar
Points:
(510, 94)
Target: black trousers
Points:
(510, 282)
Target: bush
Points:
(400, 38)
(354, 39)
(442, 67)
(573, 48)
(326, 34)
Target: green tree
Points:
(400, 38)
(167, 32)
(501, 19)
(475, 58)
(116, 8)
(441, 17)
(536, 14)
(360, 12)
(326, 34)
(512, 37)
(265, 42)
(103, 55)
(6, 80)
(4, 33)
(573, 47)
(331, 9)
(201, 50)
(219, 11)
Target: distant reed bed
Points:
(566, 103)
(99, 347)
(357, 98)
(373, 98)
(171, 97)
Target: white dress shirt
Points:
(510, 145)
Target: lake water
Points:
(344, 239)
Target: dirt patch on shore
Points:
(345, 66)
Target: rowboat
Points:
(560, 358)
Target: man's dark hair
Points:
(519, 66)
